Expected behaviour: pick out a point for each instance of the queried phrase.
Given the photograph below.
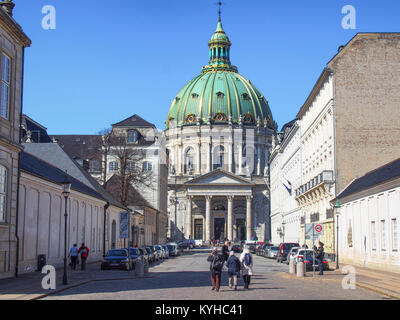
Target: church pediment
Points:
(219, 177)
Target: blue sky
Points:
(107, 60)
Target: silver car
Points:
(273, 252)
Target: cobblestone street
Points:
(187, 277)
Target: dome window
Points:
(220, 117)
(191, 118)
(195, 95)
(248, 119)
(245, 96)
(220, 95)
(177, 99)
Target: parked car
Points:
(147, 253)
(135, 255)
(284, 249)
(264, 251)
(272, 252)
(144, 254)
(152, 257)
(160, 252)
(173, 249)
(117, 259)
(166, 251)
(236, 248)
(155, 253)
(307, 256)
(292, 253)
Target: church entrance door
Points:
(219, 228)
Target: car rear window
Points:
(290, 245)
(116, 253)
(274, 248)
(133, 251)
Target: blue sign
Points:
(124, 225)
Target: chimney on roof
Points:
(7, 6)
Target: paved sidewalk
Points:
(29, 286)
(382, 282)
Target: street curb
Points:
(83, 283)
(358, 284)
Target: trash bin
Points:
(41, 262)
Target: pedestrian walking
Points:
(225, 251)
(216, 264)
(73, 254)
(233, 264)
(320, 257)
(84, 252)
(247, 266)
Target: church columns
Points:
(249, 218)
(230, 218)
(208, 219)
(188, 229)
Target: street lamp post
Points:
(283, 230)
(336, 208)
(66, 190)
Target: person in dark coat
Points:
(233, 264)
(216, 263)
(225, 251)
(320, 257)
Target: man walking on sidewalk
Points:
(73, 253)
(233, 265)
(247, 262)
(217, 262)
(84, 252)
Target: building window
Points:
(383, 235)
(113, 166)
(373, 235)
(5, 86)
(219, 154)
(131, 166)
(94, 165)
(3, 194)
(395, 235)
(147, 166)
(132, 136)
(189, 160)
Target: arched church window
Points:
(219, 155)
(189, 161)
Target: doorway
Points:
(241, 229)
(219, 228)
(198, 229)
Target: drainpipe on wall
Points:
(19, 162)
(104, 227)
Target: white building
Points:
(285, 175)
(218, 138)
(368, 220)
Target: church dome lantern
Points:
(219, 95)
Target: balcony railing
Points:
(325, 177)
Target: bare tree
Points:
(130, 159)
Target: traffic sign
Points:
(318, 228)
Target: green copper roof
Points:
(219, 95)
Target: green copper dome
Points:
(219, 95)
